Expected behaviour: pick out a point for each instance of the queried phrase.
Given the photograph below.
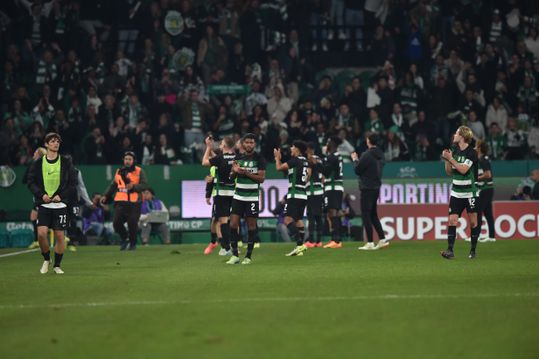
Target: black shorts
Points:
(457, 205)
(54, 218)
(334, 199)
(315, 205)
(221, 206)
(295, 208)
(245, 208)
(485, 199)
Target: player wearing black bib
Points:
(298, 176)
(315, 198)
(485, 185)
(249, 171)
(334, 190)
(461, 165)
(223, 188)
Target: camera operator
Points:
(128, 183)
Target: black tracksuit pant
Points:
(369, 214)
(126, 212)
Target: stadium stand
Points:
(156, 76)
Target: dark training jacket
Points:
(369, 168)
(68, 181)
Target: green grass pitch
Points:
(174, 302)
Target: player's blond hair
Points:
(466, 133)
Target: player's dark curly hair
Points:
(300, 145)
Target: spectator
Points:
(476, 126)
(134, 111)
(345, 148)
(319, 32)
(381, 46)
(164, 153)
(212, 53)
(533, 140)
(93, 219)
(397, 119)
(346, 120)
(516, 141)
(414, 44)
(195, 117)
(255, 98)
(357, 98)
(424, 151)
(422, 127)
(496, 27)
(22, 119)
(237, 64)
(410, 97)
(93, 99)
(153, 216)
(279, 105)
(25, 152)
(374, 124)
(497, 142)
(395, 149)
(532, 41)
(523, 118)
(148, 151)
(496, 113)
(527, 94)
(353, 20)
(94, 147)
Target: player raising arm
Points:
(299, 173)
(461, 165)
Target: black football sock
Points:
(336, 228)
(58, 259)
(293, 231)
(34, 224)
(213, 238)
(46, 255)
(311, 227)
(451, 235)
(225, 231)
(319, 226)
(234, 236)
(301, 237)
(475, 236)
(251, 236)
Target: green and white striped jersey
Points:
(246, 189)
(316, 187)
(333, 171)
(297, 177)
(484, 165)
(464, 184)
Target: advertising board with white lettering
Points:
(512, 220)
(403, 191)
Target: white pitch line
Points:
(17, 253)
(268, 299)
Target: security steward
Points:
(129, 181)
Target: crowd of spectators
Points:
(119, 75)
